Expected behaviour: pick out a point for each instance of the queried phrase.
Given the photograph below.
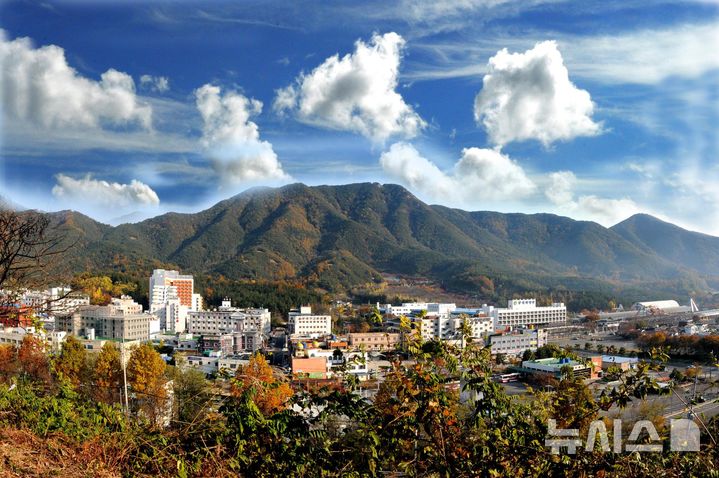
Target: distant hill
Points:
(690, 249)
(338, 237)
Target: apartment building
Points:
(517, 341)
(123, 319)
(374, 341)
(304, 323)
(449, 327)
(228, 319)
(525, 313)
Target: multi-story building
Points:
(55, 300)
(304, 323)
(123, 319)
(525, 313)
(449, 327)
(517, 341)
(222, 344)
(409, 308)
(228, 319)
(172, 296)
(374, 341)
(184, 284)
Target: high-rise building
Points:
(183, 284)
(172, 297)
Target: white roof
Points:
(660, 304)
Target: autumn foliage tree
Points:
(101, 289)
(8, 362)
(71, 364)
(32, 356)
(107, 374)
(258, 380)
(146, 375)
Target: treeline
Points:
(256, 425)
(700, 347)
(278, 296)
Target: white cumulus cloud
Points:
(479, 175)
(41, 88)
(605, 211)
(404, 163)
(529, 96)
(99, 193)
(159, 84)
(355, 93)
(232, 141)
(561, 187)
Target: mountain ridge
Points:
(339, 237)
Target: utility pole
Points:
(124, 376)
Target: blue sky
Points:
(596, 110)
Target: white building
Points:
(517, 341)
(409, 308)
(525, 313)
(122, 320)
(228, 319)
(54, 301)
(449, 327)
(172, 297)
(661, 306)
(304, 323)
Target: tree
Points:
(8, 362)
(375, 316)
(588, 346)
(32, 356)
(108, 374)
(101, 289)
(192, 396)
(27, 245)
(257, 381)
(465, 330)
(146, 376)
(72, 362)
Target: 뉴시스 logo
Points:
(683, 436)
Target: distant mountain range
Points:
(338, 237)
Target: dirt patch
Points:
(22, 454)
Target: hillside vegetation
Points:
(339, 237)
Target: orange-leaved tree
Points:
(146, 375)
(33, 359)
(256, 378)
(8, 362)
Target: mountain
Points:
(690, 249)
(342, 236)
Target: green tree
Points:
(192, 397)
(71, 364)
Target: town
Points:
(530, 344)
